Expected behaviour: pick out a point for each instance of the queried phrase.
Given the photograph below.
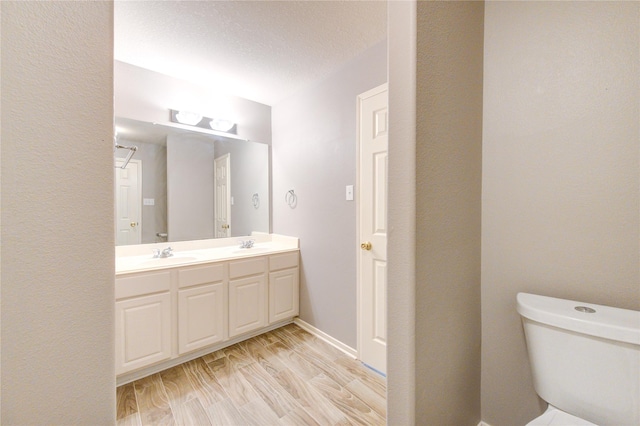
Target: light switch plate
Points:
(148, 201)
(349, 193)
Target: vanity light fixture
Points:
(197, 120)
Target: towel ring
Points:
(291, 199)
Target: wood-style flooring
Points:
(284, 377)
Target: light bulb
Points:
(221, 125)
(190, 118)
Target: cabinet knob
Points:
(134, 224)
(366, 245)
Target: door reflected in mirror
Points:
(186, 185)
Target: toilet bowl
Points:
(585, 361)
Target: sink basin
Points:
(173, 260)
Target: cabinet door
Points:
(247, 304)
(283, 294)
(201, 313)
(143, 331)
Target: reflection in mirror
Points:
(185, 185)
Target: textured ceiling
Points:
(259, 50)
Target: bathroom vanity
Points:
(208, 295)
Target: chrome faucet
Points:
(246, 244)
(168, 252)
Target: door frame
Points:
(381, 88)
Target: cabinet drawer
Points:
(243, 268)
(200, 275)
(146, 283)
(283, 261)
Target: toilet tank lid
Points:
(607, 322)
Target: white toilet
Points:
(585, 361)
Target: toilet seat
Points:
(555, 417)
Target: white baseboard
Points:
(324, 336)
(483, 424)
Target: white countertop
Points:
(139, 258)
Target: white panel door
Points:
(283, 294)
(201, 313)
(128, 202)
(372, 299)
(223, 196)
(143, 331)
(247, 304)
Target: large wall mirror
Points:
(187, 185)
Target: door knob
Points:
(134, 224)
(365, 246)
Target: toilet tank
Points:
(585, 358)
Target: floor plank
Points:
(258, 413)
(318, 407)
(213, 356)
(126, 404)
(294, 360)
(286, 337)
(372, 379)
(328, 366)
(234, 383)
(283, 377)
(267, 338)
(153, 403)
(238, 356)
(225, 413)
(298, 418)
(207, 388)
(185, 406)
(130, 420)
(368, 396)
(191, 412)
(270, 391)
(269, 360)
(356, 410)
(177, 385)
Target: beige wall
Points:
(448, 177)
(57, 213)
(435, 105)
(560, 206)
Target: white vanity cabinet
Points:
(143, 320)
(247, 295)
(168, 316)
(202, 307)
(283, 286)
